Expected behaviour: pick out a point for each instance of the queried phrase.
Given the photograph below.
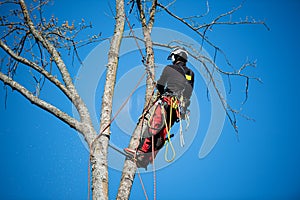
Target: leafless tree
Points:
(29, 40)
(192, 23)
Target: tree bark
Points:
(99, 148)
(72, 92)
(129, 168)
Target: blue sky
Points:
(43, 159)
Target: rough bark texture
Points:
(72, 93)
(129, 168)
(147, 28)
(100, 147)
(98, 144)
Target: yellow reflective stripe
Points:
(174, 102)
(188, 77)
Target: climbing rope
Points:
(108, 125)
(168, 142)
(182, 143)
(154, 173)
(120, 109)
(142, 183)
(136, 42)
(140, 50)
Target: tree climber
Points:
(174, 90)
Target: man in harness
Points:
(174, 89)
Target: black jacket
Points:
(176, 80)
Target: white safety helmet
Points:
(178, 53)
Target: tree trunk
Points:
(98, 159)
(129, 168)
(99, 148)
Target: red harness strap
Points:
(157, 128)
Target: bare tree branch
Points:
(142, 13)
(196, 29)
(73, 123)
(56, 57)
(34, 66)
(197, 16)
(152, 14)
(148, 44)
(76, 99)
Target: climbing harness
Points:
(160, 118)
(153, 114)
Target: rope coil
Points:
(168, 128)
